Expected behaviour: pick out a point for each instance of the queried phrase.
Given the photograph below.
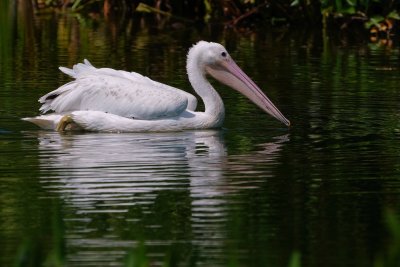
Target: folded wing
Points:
(122, 93)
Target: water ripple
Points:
(111, 174)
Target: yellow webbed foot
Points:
(64, 123)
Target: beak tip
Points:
(286, 122)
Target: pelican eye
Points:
(223, 54)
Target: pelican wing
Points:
(122, 93)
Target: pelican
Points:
(108, 100)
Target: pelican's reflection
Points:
(109, 173)
(112, 168)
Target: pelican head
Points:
(215, 61)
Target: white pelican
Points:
(119, 101)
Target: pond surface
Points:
(253, 193)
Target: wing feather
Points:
(123, 93)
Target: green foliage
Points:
(248, 12)
(374, 21)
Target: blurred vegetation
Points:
(137, 256)
(390, 257)
(375, 15)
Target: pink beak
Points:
(229, 73)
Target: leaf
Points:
(295, 3)
(373, 21)
(393, 15)
(338, 5)
(349, 10)
(76, 4)
(149, 9)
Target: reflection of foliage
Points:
(5, 29)
(47, 248)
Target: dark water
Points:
(251, 194)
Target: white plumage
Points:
(127, 94)
(104, 99)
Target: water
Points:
(250, 194)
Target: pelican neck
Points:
(212, 101)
